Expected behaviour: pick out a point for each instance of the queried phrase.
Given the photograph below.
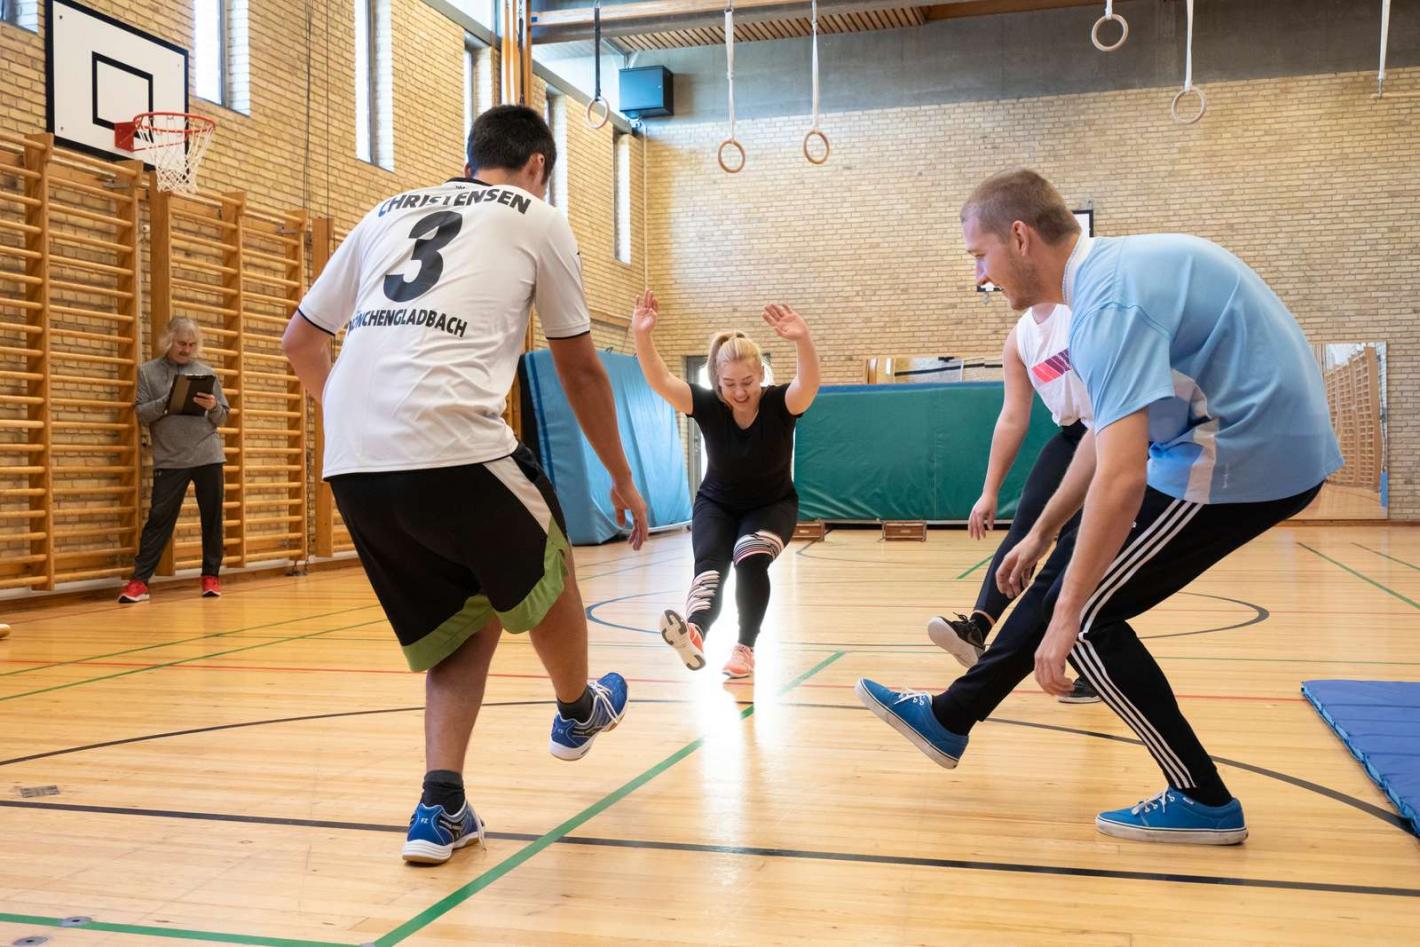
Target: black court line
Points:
(1013, 867)
(1389, 818)
(803, 552)
(1333, 794)
(37, 612)
(639, 564)
(261, 723)
(592, 608)
(1260, 615)
(260, 584)
(231, 726)
(911, 861)
(203, 637)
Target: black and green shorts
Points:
(448, 548)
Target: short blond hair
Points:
(1002, 199)
(730, 346)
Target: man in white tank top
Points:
(1036, 357)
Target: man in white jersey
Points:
(1210, 427)
(456, 525)
(1036, 358)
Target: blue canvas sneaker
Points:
(910, 714)
(1173, 817)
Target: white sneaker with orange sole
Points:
(685, 638)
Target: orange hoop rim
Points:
(194, 124)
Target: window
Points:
(374, 84)
(23, 13)
(556, 114)
(219, 52)
(470, 85)
(478, 80)
(481, 11)
(621, 194)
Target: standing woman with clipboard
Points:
(181, 401)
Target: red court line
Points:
(543, 677)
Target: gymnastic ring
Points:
(816, 133)
(591, 109)
(720, 156)
(1095, 33)
(1202, 105)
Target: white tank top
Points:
(1045, 350)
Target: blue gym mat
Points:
(1379, 721)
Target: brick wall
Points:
(1308, 179)
(282, 159)
(296, 150)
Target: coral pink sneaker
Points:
(741, 663)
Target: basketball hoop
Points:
(174, 143)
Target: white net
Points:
(174, 144)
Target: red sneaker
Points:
(135, 591)
(211, 587)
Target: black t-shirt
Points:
(748, 467)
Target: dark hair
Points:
(1023, 195)
(506, 136)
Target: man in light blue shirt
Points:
(1236, 409)
(1211, 426)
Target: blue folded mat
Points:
(1379, 722)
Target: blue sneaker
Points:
(1173, 817)
(910, 714)
(434, 834)
(571, 739)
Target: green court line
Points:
(164, 644)
(176, 933)
(459, 896)
(977, 566)
(1360, 575)
(1387, 556)
(198, 657)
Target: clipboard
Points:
(181, 398)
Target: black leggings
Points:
(1171, 543)
(1040, 486)
(751, 540)
(169, 488)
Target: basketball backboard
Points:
(101, 71)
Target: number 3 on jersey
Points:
(430, 235)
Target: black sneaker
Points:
(961, 637)
(1084, 693)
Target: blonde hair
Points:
(730, 346)
(1023, 195)
(176, 326)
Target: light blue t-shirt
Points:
(1237, 408)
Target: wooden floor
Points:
(241, 770)
(1341, 502)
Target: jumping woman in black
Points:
(746, 508)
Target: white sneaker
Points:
(685, 638)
